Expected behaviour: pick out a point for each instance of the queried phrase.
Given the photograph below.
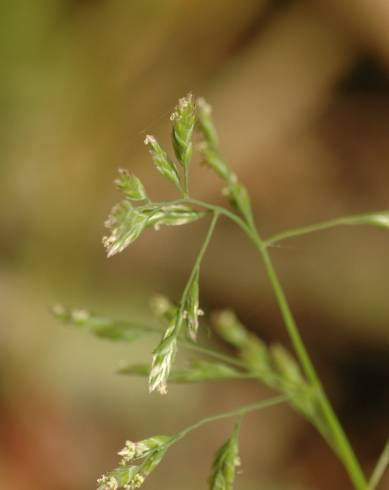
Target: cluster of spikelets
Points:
(272, 365)
(127, 221)
(139, 459)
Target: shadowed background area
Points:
(300, 94)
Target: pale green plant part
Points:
(292, 375)
(197, 371)
(225, 464)
(126, 222)
(381, 466)
(162, 162)
(138, 460)
(183, 119)
(130, 186)
(163, 357)
(192, 309)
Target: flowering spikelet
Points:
(162, 162)
(163, 358)
(130, 186)
(206, 125)
(126, 224)
(107, 483)
(225, 463)
(212, 157)
(191, 309)
(174, 215)
(135, 483)
(129, 475)
(183, 119)
(209, 146)
(136, 450)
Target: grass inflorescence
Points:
(291, 375)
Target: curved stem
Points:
(245, 409)
(357, 219)
(187, 344)
(223, 211)
(212, 353)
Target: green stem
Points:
(253, 407)
(382, 464)
(213, 209)
(186, 182)
(199, 258)
(187, 344)
(343, 446)
(222, 211)
(357, 219)
(212, 353)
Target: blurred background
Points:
(300, 92)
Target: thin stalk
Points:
(222, 211)
(356, 219)
(195, 269)
(212, 353)
(379, 470)
(343, 446)
(213, 208)
(189, 345)
(253, 407)
(186, 182)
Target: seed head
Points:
(107, 483)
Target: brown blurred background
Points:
(301, 97)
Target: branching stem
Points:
(212, 353)
(341, 443)
(243, 410)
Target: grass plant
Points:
(292, 376)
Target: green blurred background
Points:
(301, 98)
